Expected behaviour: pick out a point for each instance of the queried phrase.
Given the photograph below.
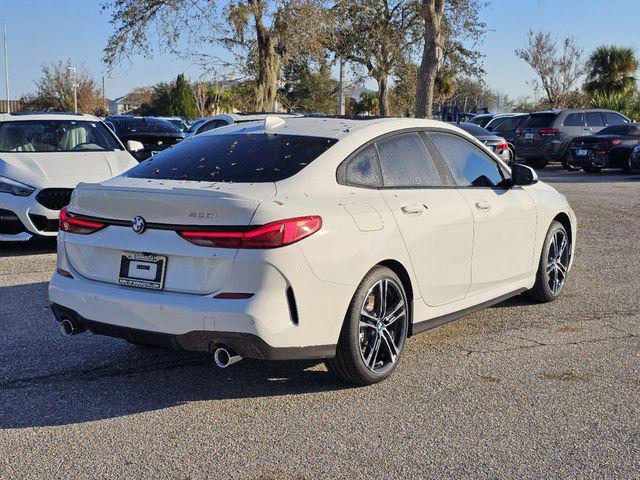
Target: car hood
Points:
(63, 169)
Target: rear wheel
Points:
(374, 330)
(567, 165)
(554, 265)
(591, 169)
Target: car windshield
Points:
(133, 125)
(621, 130)
(248, 158)
(56, 136)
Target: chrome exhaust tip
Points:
(68, 328)
(225, 357)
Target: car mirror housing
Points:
(134, 146)
(523, 174)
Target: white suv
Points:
(43, 156)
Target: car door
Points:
(595, 122)
(434, 219)
(504, 218)
(574, 125)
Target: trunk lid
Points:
(167, 206)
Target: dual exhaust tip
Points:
(223, 356)
(68, 328)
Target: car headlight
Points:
(14, 187)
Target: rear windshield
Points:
(621, 130)
(127, 126)
(56, 136)
(481, 120)
(474, 130)
(243, 158)
(537, 120)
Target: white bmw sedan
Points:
(308, 238)
(43, 156)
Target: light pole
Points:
(75, 88)
(6, 63)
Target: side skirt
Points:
(425, 325)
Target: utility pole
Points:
(341, 91)
(6, 62)
(75, 88)
(104, 97)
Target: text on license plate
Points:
(581, 153)
(142, 270)
(528, 136)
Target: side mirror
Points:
(523, 174)
(134, 146)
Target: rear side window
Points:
(475, 130)
(364, 169)
(574, 120)
(405, 162)
(540, 120)
(614, 119)
(243, 158)
(594, 119)
(469, 166)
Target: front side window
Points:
(56, 136)
(469, 166)
(614, 119)
(405, 162)
(242, 158)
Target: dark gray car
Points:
(545, 136)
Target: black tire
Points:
(349, 362)
(591, 169)
(539, 164)
(567, 165)
(542, 290)
(626, 167)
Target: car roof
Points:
(24, 116)
(330, 127)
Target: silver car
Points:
(496, 144)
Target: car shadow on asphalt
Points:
(48, 380)
(34, 246)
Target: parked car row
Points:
(588, 139)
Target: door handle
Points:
(412, 209)
(483, 206)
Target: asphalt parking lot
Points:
(517, 390)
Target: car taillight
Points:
(617, 141)
(548, 132)
(272, 235)
(502, 146)
(69, 223)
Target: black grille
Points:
(43, 224)
(54, 198)
(10, 224)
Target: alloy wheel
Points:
(383, 322)
(558, 261)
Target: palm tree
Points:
(612, 70)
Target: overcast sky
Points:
(43, 31)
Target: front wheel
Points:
(554, 265)
(566, 163)
(374, 330)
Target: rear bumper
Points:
(551, 151)
(245, 344)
